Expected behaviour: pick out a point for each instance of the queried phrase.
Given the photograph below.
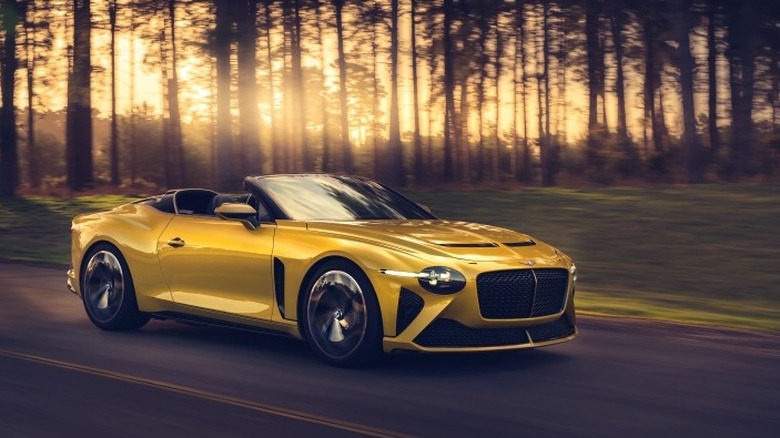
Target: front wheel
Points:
(341, 317)
(108, 292)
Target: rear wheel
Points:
(341, 318)
(108, 292)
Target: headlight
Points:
(573, 272)
(441, 280)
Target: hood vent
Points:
(469, 245)
(517, 244)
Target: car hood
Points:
(461, 240)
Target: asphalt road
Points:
(60, 376)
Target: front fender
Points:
(301, 250)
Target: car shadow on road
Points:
(247, 343)
(283, 349)
(464, 364)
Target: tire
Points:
(107, 291)
(340, 316)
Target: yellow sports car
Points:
(349, 265)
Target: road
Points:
(60, 376)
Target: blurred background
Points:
(164, 93)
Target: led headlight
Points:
(441, 280)
(573, 272)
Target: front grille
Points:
(551, 285)
(409, 306)
(449, 333)
(522, 293)
(560, 328)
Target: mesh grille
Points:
(551, 287)
(522, 293)
(409, 306)
(449, 333)
(560, 328)
(506, 294)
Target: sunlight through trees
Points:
(146, 94)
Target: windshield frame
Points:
(262, 186)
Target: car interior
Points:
(202, 202)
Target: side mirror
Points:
(246, 214)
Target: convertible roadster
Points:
(349, 265)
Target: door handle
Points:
(176, 242)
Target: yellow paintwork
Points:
(225, 270)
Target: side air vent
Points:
(469, 245)
(518, 244)
(279, 284)
(409, 306)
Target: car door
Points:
(218, 265)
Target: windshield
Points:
(338, 198)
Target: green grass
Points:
(37, 228)
(706, 254)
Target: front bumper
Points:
(450, 336)
(456, 323)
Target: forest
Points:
(148, 94)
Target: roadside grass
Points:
(704, 254)
(37, 228)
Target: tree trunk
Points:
(326, 152)
(449, 91)
(616, 23)
(269, 22)
(498, 65)
(593, 47)
(595, 78)
(165, 128)
(561, 57)
(346, 150)
(79, 118)
(651, 79)
(517, 65)
(682, 20)
(395, 162)
(380, 169)
(133, 131)
(249, 117)
(483, 59)
(299, 108)
(741, 21)
(432, 171)
(524, 166)
(33, 168)
(224, 142)
(177, 148)
(547, 153)
(419, 168)
(9, 157)
(712, 76)
(462, 144)
(115, 177)
(289, 145)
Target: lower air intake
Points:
(449, 333)
(560, 328)
(409, 306)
